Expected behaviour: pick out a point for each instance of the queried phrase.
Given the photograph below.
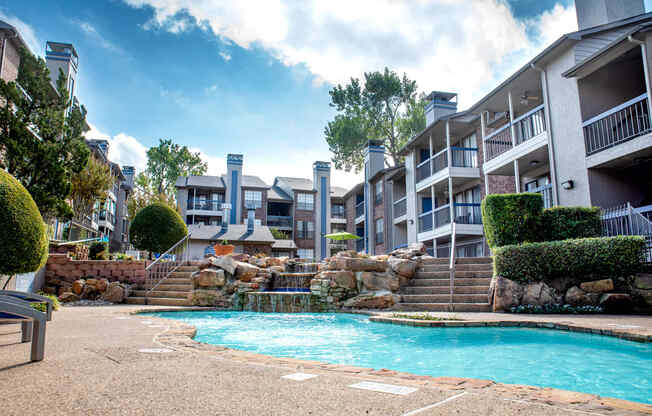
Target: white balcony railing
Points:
(526, 126)
(463, 157)
(400, 207)
(617, 125)
(435, 218)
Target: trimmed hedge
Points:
(586, 259)
(512, 218)
(156, 228)
(98, 251)
(563, 223)
(23, 240)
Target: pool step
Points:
(443, 307)
(172, 291)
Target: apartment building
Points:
(572, 124)
(299, 212)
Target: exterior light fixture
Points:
(534, 162)
(567, 185)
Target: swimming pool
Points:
(571, 361)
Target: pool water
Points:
(546, 358)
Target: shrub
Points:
(23, 237)
(41, 306)
(512, 218)
(563, 223)
(156, 228)
(584, 259)
(98, 251)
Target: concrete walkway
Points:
(94, 365)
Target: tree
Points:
(22, 231)
(41, 135)
(89, 186)
(144, 195)
(386, 109)
(156, 228)
(168, 161)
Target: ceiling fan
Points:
(526, 98)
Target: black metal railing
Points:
(279, 221)
(400, 207)
(205, 205)
(467, 213)
(359, 209)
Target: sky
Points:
(252, 77)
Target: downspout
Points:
(643, 46)
(551, 145)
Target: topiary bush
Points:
(563, 223)
(585, 259)
(98, 251)
(512, 218)
(156, 228)
(23, 237)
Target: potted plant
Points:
(223, 248)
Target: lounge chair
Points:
(32, 321)
(32, 298)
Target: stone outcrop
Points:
(616, 302)
(245, 271)
(203, 297)
(226, 263)
(577, 297)
(374, 301)
(209, 278)
(78, 286)
(69, 297)
(404, 267)
(360, 264)
(507, 293)
(413, 250)
(374, 281)
(598, 286)
(342, 278)
(642, 287)
(115, 292)
(539, 294)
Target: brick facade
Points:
(349, 209)
(303, 215)
(261, 213)
(379, 212)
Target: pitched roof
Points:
(338, 192)
(276, 193)
(249, 181)
(284, 244)
(234, 232)
(216, 182)
(298, 184)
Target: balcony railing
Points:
(423, 170)
(359, 209)
(546, 193)
(463, 157)
(527, 126)
(205, 205)
(437, 218)
(337, 211)
(106, 216)
(400, 207)
(305, 235)
(624, 122)
(279, 221)
(439, 161)
(467, 213)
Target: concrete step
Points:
(444, 298)
(178, 281)
(191, 268)
(433, 260)
(476, 281)
(172, 286)
(458, 267)
(443, 307)
(133, 300)
(181, 274)
(442, 290)
(458, 274)
(433, 268)
(162, 294)
(475, 260)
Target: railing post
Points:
(511, 118)
(451, 267)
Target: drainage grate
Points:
(299, 376)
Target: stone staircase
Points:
(429, 290)
(173, 291)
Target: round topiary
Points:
(156, 228)
(23, 240)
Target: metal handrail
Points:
(168, 262)
(451, 266)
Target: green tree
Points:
(386, 108)
(89, 186)
(156, 228)
(41, 135)
(168, 161)
(144, 194)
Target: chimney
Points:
(321, 183)
(129, 172)
(374, 158)
(440, 104)
(251, 219)
(233, 186)
(591, 13)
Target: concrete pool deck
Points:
(94, 365)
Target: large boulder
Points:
(102, 284)
(342, 278)
(372, 281)
(115, 293)
(245, 271)
(507, 293)
(562, 284)
(209, 278)
(375, 301)
(642, 286)
(205, 297)
(360, 264)
(69, 297)
(78, 286)
(226, 263)
(616, 302)
(598, 286)
(539, 294)
(347, 253)
(577, 297)
(404, 267)
(413, 250)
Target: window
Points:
(306, 202)
(305, 230)
(337, 211)
(378, 192)
(380, 235)
(253, 199)
(306, 253)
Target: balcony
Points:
(400, 208)
(526, 127)
(464, 165)
(359, 212)
(428, 221)
(279, 221)
(305, 235)
(467, 213)
(617, 125)
(546, 193)
(435, 224)
(198, 204)
(106, 216)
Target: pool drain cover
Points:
(155, 350)
(384, 388)
(299, 376)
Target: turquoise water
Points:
(538, 357)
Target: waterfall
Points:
(273, 299)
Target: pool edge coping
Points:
(181, 337)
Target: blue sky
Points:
(253, 78)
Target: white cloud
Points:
(443, 44)
(91, 31)
(225, 55)
(216, 166)
(26, 32)
(124, 150)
